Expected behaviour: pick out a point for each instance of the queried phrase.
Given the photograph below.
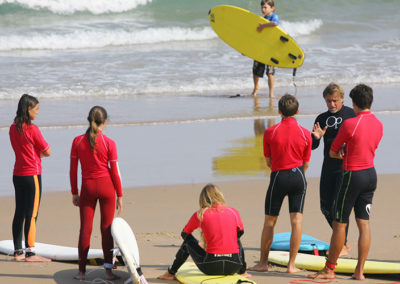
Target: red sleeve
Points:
(73, 168)
(307, 152)
(114, 169)
(341, 138)
(239, 221)
(267, 149)
(193, 224)
(38, 139)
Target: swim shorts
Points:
(259, 68)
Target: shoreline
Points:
(157, 214)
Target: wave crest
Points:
(73, 6)
(301, 28)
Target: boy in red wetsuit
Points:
(287, 149)
(355, 143)
(221, 227)
(100, 182)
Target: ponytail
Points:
(97, 116)
(25, 102)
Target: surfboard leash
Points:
(294, 84)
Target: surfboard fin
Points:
(284, 39)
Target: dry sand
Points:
(157, 215)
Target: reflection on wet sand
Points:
(246, 157)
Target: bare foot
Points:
(255, 90)
(323, 274)
(80, 276)
(166, 276)
(259, 268)
(19, 257)
(37, 258)
(246, 274)
(291, 270)
(345, 250)
(358, 276)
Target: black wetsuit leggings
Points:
(210, 264)
(328, 187)
(28, 190)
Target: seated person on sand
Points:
(221, 227)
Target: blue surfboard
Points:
(281, 241)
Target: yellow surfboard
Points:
(238, 28)
(345, 265)
(188, 273)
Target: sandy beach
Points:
(157, 215)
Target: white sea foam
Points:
(81, 39)
(301, 28)
(72, 6)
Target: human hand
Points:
(260, 27)
(119, 206)
(75, 199)
(318, 132)
(342, 151)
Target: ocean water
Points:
(84, 48)
(161, 71)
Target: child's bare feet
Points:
(37, 258)
(19, 257)
(80, 276)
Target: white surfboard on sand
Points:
(54, 252)
(127, 245)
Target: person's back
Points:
(287, 144)
(220, 226)
(363, 134)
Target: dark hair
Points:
(97, 116)
(362, 96)
(288, 105)
(333, 88)
(25, 102)
(269, 2)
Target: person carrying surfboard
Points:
(327, 126)
(100, 181)
(221, 227)
(287, 149)
(267, 9)
(29, 147)
(356, 143)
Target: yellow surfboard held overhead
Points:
(238, 28)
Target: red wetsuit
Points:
(100, 181)
(27, 145)
(220, 226)
(361, 135)
(287, 144)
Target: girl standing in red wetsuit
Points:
(29, 146)
(221, 227)
(100, 181)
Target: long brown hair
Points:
(25, 102)
(97, 116)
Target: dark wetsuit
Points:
(331, 168)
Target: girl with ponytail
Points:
(29, 147)
(100, 182)
(221, 227)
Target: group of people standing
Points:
(348, 180)
(100, 182)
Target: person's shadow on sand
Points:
(92, 275)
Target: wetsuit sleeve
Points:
(342, 137)
(38, 140)
(114, 169)
(315, 142)
(307, 152)
(193, 224)
(275, 19)
(73, 168)
(267, 147)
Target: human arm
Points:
(318, 132)
(114, 168)
(40, 143)
(305, 166)
(73, 173)
(119, 205)
(268, 160)
(265, 25)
